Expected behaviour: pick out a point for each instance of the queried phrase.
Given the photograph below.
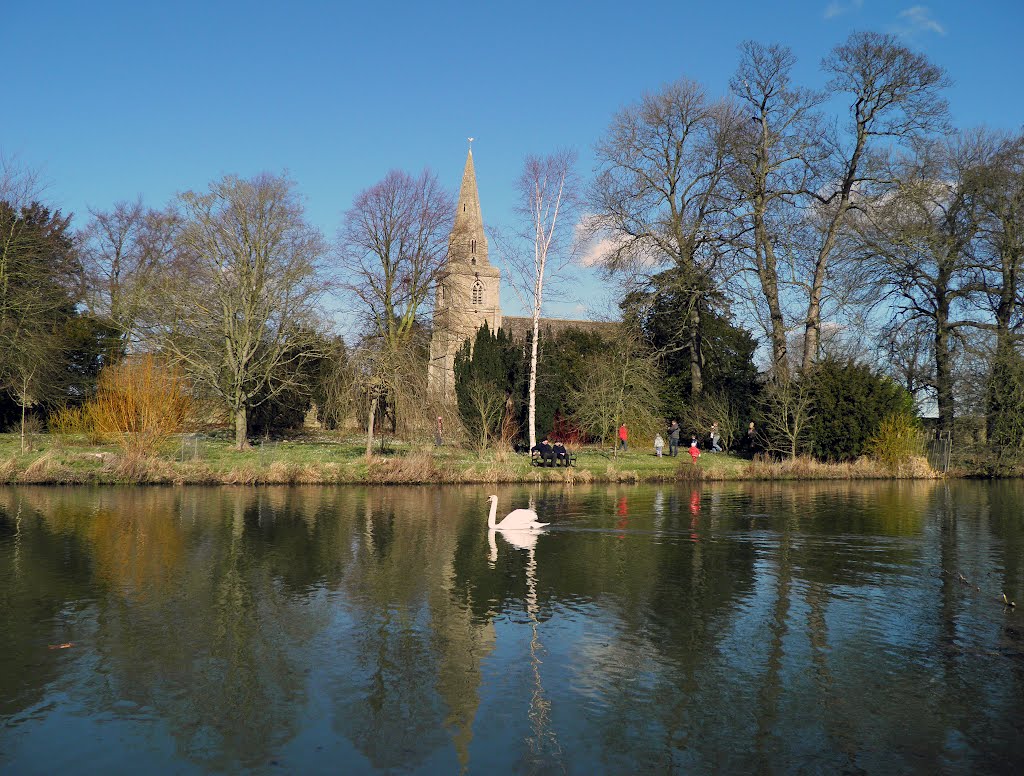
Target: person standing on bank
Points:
(659, 445)
(623, 436)
(715, 436)
(673, 439)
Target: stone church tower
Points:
(467, 289)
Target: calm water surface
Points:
(742, 628)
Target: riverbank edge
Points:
(418, 468)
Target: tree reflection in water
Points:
(757, 627)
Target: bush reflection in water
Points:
(828, 626)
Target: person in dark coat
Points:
(544, 450)
(673, 439)
(560, 453)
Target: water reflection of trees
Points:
(697, 611)
(415, 653)
(184, 616)
(39, 575)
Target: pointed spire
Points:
(468, 218)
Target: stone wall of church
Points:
(459, 312)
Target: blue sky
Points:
(116, 99)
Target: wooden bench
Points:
(552, 463)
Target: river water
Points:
(823, 628)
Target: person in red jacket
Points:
(694, 450)
(623, 436)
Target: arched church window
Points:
(478, 293)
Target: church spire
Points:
(468, 241)
(468, 290)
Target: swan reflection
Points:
(521, 539)
(522, 529)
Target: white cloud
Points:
(918, 18)
(836, 8)
(594, 243)
(595, 251)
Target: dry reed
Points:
(808, 469)
(45, 470)
(9, 470)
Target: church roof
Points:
(519, 327)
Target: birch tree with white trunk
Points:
(547, 189)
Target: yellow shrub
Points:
(140, 402)
(899, 439)
(68, 420)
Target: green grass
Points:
(325, 458)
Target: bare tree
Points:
(547, 190)
(776, 147)
(619, 384)
(712, 408)
(787, 407)
(657, 199)
(999, 252)
(893, 95)
(391, 382)
(32, 368)
(19, 183)
(488, 406)
(999, 183)
(122, 252)
(920, 235)
(391, 247)
(904, 352)
(240, 306)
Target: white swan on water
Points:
(516, 520)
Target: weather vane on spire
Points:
(470, 139)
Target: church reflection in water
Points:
(649, 628)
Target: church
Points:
(468, 291)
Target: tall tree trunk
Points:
(369, 426)
(769, 285)
(943, 371)
(533, 378)
(768, 274)
(696, 354)
(241, 428)
(812, 329)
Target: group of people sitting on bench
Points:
(544, 453)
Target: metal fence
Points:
(191, 449)
(939, 450)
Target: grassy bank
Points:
(67, 459)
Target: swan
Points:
(516, 520)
